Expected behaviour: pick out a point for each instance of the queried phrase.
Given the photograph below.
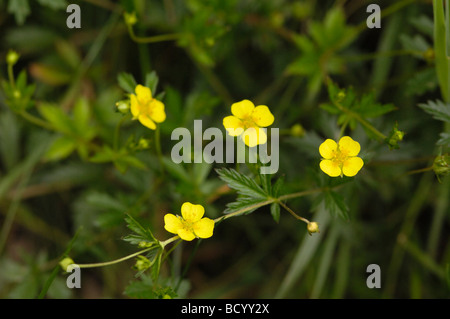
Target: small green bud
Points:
(394, 137)
(142, 263)
(145, 244)
(65, 263)
(130, 18)
(297, 130)
(441, 165)
(12, 57)
(340, 96)
(313, 227)
(123, 106)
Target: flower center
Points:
(339, 157)
(248, 122)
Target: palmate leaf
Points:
(241, 183)
(244, 203)
(141, 234)
(439, 110)
(335, 204)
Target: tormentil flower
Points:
(340, 159)
(247, 121)
(190, 224)
(145, 108)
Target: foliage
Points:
(82, 177)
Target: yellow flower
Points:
(340, 159)
(191, 224)
(145, 108)
(247, 121)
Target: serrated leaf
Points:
(138, 229)
(127, 82)
(20, 9)
(60, 149)
(151, 81)
(245, 204)
(335, 204)
(142, 289)
(241, 183)
(444, 140)
(54, 4)
(439, 110)
(275, 211)
(57, 117)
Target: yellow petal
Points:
(348, 146)
(327, 148)
(254, 136)
(204, 228)
(262, 116)
(242, 109)
(134, 106)
(352, 166)
(186, 234)
(191, 212)
(146, 121)
(330, 168)
(157, 112)
(172, 223)
(143, 93)
(233, 125)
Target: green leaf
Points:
(54, 4)
(245, 204)
(439, 110)
(335, 204)
(444, 140)
(151, 81)
(440, 49)
(61, 148)
(57, 117)
(241, 183)
(139, 230)
(20, 9)
(142, 289)
(275, 211)
(127, 82)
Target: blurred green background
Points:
(274, 52)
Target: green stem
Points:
(116, 261)
(11, 76)
(117, 132)
(163, 244)
(35, 120)
(158, 148)
(152, 39)
(363, 122)
(292, 213)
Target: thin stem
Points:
(35, 120)
(116, 261)
(11, 76)
(357, 117)
(163, 244)
(292, 213)
(158, 148)
(117, 132)
(152, 39)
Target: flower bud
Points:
(297, 130)
(12, 57)
(142, 263)
(123, 106)
(313, 227)
(130, 18)
(394, 137)
(65, 263)
(441, 165)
